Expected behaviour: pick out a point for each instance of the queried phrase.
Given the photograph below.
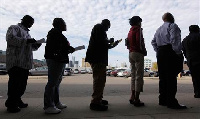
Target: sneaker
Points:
(52, 110)
(98, 107)
(61, 106)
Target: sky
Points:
(81, 15)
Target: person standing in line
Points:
(19, 59)
(167, 45)
(56, 54)
(97, 56)
(191, 50)
(137, 51)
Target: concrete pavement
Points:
(119, 107)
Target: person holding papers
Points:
(56, 55)
(97, 56)
(19, 59)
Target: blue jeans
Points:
(55, 73)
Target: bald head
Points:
(168, 17)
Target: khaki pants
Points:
(99, 80)
(137, 71)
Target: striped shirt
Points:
(18, 52)
(168, 33)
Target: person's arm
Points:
(154, 44)
(175, 38)
(13, 39)
(35, 46)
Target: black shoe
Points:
(98, 107)
(196, 96)
(13, 109)
(138, 103)
(104, 102)
(22, 105)
(177, 106)
(131, 102)
(162, 104)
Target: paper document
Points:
(41, 41)
(80, 47)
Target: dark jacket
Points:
(97, 51)
(136, 40)
(57, 46)
(191, 48)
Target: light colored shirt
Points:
(168, 33)
(18, 52)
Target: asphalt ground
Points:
(76, 90)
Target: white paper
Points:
(80, 47)
(41, 41)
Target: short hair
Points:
(105, 22)
(27, 18)
(135, 20)
(194, 29)
(168, 17)
(57, 22)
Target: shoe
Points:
(196, 96)
(138, 103)
(98, 107)
(61, 106)
(52, 110)
(177, 106)
(162, 104)
(104, 102)
(13, 109)
(131, 102)
(22, 105)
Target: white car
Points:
(68, 72)
(120, 73)
(76, 71)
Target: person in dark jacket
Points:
(191, 52)
(56, 55)
(137, 51)
(97, 56)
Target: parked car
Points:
(114, 72)
(127, 73)
(89, 71)
(68, 72)
(3, 70)
(120, 72)
(83, 71)
(76, 71)
(148, 73)
(108, 72)
(39, 71)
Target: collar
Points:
(23, 27)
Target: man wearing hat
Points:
(137, 51)
(167, 45)
(19, 59)
(191, 51)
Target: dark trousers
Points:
(16, 85)
(99, 80)
(195, 72)
(169, 65)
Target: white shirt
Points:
(168, 33)
(18, 52)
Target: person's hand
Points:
(111, 40)
(31, 40)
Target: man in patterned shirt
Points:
(19, 58)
